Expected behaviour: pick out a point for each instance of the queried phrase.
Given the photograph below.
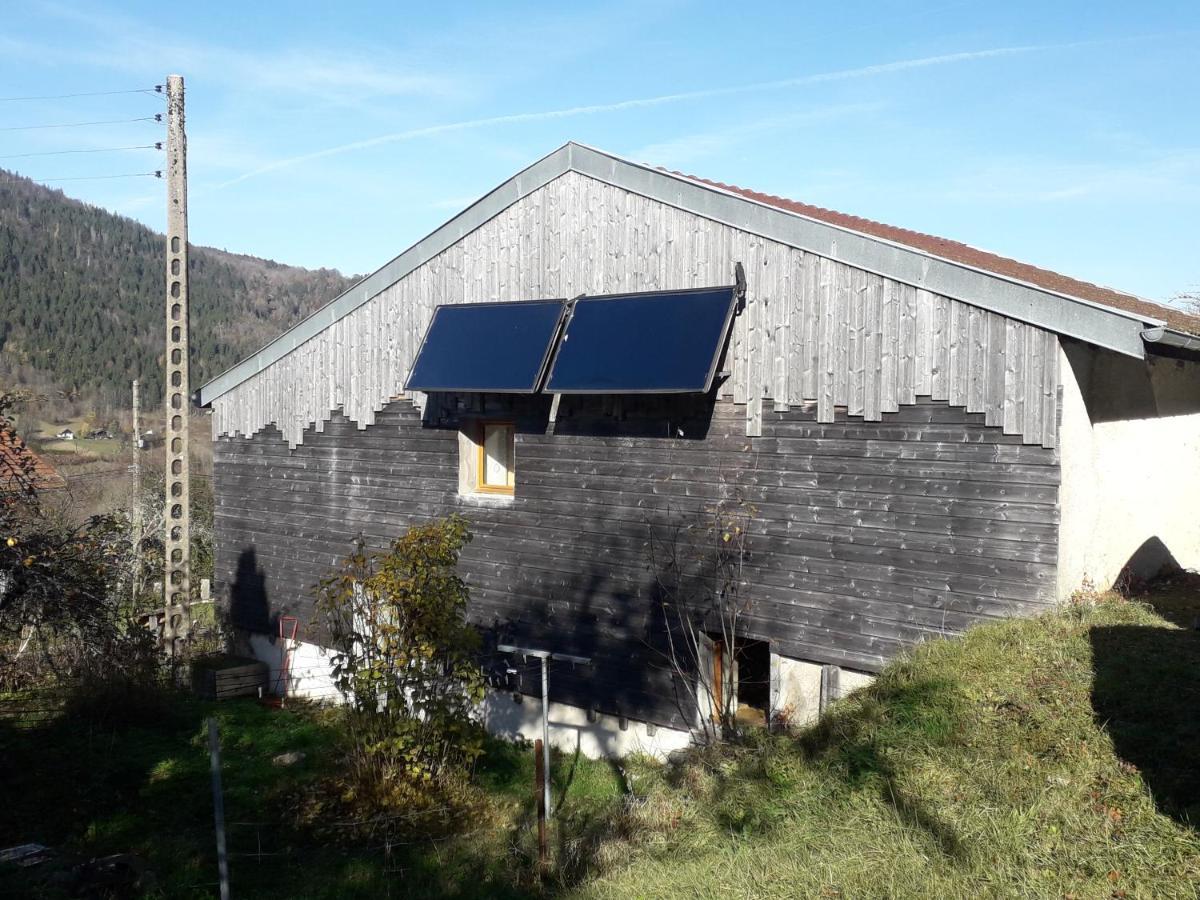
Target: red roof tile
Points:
(19, 464)
(971, 256)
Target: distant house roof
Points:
(1101, 316)
(972, 256)
(20, 466)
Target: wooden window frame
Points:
(481, 486)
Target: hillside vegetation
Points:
(81, 298)
(1055, 757)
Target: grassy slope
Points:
(977, 768)
(1048, 758)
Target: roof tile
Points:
(955, 251)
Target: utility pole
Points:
(136, 512)
(177, 543)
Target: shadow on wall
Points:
(1146, 694)
(249, 606)
(1119, 388)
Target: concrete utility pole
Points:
(136, 512)
(177, 544)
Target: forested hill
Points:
(82, 297)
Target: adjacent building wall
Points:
(1130, 440)
(869, 537)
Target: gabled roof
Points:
(21, 468)
(943, 248)
(1086, 312)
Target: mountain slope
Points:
(81, 297)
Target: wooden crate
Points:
(217, 678)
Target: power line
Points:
(157, 117)
(155, 174)
(157, 89)
(157, 145)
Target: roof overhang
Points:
(1169, 339)
(1084, 320)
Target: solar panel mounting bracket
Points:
(739, 288)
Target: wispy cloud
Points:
(644, 103)
(125, 44)
(687, 148)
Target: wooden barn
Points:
(929, 436)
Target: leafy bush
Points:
(405, 658)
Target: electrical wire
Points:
(157, 145)
(155, 174)
(157, 117)
(157, 89)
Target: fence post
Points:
(539, 766)
(214, 753)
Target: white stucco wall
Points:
(798, 700)
(1133, 473)
(310, 678)
(570, 730)
(798, 696)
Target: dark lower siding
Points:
(868, 538)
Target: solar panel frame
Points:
(543, 368)
(565, 327)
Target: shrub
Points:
(406, 660)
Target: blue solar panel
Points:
(487, 347)
(662, 342)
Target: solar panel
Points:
(487, 347)
(661, 342)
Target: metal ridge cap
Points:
(735, 195)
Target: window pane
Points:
(497, 455)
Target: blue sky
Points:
(1064, 134)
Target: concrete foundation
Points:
(796, 699)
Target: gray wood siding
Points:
(870, 536)
(814, 328)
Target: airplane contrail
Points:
(642, 102)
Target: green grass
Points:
(142, 785)
(1058, 757)
(1054, 757)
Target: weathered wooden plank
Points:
(977, 360)
(827, 340)
(873, 349)
(1014, 390)
(843, 301)
(889, 385)
(958, 354)
(924, 326)
(907, 379)
(857, 349)
(940, 374)
(994, 385)
(1050, 390)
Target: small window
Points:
(495, 464)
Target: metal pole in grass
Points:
(545, 656)
(214, 754)
(540, 781)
